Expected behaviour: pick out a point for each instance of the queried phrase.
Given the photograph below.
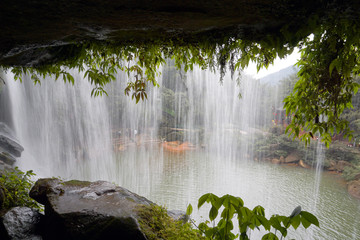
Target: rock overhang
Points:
(35, 32)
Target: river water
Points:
(175, 180)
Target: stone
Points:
(338, 166)
(10, 145)
(303, 164)
(89, 210)
(275, 161)
(357, 176)
(292, 158)
(7, 158)
(21, 223)
(332, 165)
(354, 188)
(282, 159)
(341, 165)
(4, 167)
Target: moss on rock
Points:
(157, 224)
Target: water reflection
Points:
(174, 180)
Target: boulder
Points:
(332, 165)
(7, 158)
(341, 165)
(292, 158)
(357, 176)
(21, 223)
(89, 210)
(4, 167)
(10, 145)
(338, 166)
(303, 164)
(275, 161)
(354, 188)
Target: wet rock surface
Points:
(88, 210)
(7, 158)
(338, 166)
(294, 157)
(9, 146)
(21, 223)
(10, 149)
(354, 188)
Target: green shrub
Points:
(16, 186)
(157, 224)
(350, 173)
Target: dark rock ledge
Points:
(88, 210)
(79, 210)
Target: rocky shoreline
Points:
(353, 186)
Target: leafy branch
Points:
(326, 83)
(247, 219)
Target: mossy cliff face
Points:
(34, 31)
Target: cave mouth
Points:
(35, 33)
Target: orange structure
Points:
(177, 147)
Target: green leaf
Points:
(305, 223)
(310, 218)
(213, 213)
(203, 199)
(264, 222)
(270, 236)
(295, 222)
(189, 210)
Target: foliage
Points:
(247, 219)
(328, 63)
(16, 185)
(351, 172)
(157, 224)
(326, 85)
(276, 145)
(100, 61)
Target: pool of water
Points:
(175, 180)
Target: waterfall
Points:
(227, 112)
(68, 133)
(65, 132)
(320, 156)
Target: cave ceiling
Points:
(31, 29)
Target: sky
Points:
(277, 66)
